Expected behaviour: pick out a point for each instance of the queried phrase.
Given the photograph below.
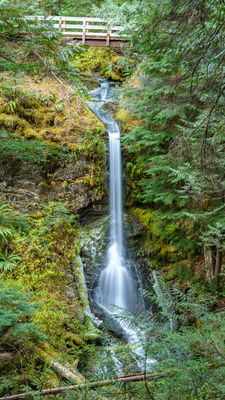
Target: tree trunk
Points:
(208, 260)
(218, 266)
(91, 385)
(95, 385)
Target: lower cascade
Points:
(117, 284)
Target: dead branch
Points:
(91, 385)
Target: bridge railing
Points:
(83, 28)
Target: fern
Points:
(8, 261)
(6, 234)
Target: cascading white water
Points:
(116, 285)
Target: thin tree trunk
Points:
(95, 385)
(218, 264)
(91, 385)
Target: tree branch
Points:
(91, 385)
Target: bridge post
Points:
(63, 27)
(60, 23)
(108, 37)
(84, 31)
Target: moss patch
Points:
(166, 245)
(47, 248)
(47, 111)
(104, 61)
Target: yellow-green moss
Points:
(127, 120)
(165, 242)
(47, 251)
(102, 60)
(45, 111)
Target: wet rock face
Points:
(27, 186)
(94, 238)
(19, 184)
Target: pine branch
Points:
(8, 59)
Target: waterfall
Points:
(117, 284)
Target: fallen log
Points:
(66, 370)
(89, 385)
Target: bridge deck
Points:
(92, 31)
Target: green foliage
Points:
(176, 152)
(46, 252)
(33, 151)
(64, 7)
(8, 261)
(167, 244)
(189, 349)
(43, 51)
(214, 236)
(15, 314)
(12, 224)
(13, 220)
(40, 257)
(180, 100)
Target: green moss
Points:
(127, 120)
(102, 60)
(47, 252)
(44, 114)
(13, 122)
(182, 271)
(167, 245)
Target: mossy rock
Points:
(163, 243)
(42, 111)
(104, 61)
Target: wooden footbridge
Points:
(91, 31)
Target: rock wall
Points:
(27, 186)
(52, 147)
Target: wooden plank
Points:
(88, 30)
(79, 35)
(57, 18)
(97, 27)
(93, 19)
(92, 27)
(89, 34)
(108, 37)
(63, 26)
(87, 27)
(68, 26)
(116, 28)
